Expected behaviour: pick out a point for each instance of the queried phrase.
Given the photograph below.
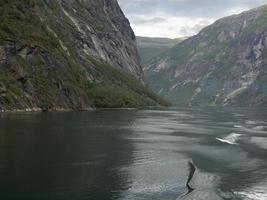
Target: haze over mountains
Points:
(151, 47)
(225, 64)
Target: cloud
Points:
(179, 18)
(142, 20)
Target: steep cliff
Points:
(225, 64)
(68, 54)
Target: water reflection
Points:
(140, 155)
(64, 156)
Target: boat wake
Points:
(192, 170)
(200, 185)
(230, 139)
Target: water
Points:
(200, 154)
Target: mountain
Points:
(151, 47)
(68, 54)
(225, 64)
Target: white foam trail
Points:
(225, 141)
(230, 139)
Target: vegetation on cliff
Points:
(51, 59)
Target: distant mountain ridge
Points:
(225, 64)
(148, 47)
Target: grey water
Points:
(164, 154)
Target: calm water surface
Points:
(197, 154)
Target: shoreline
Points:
(39, 110)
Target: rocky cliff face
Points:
(100, 29)
(68, 54)
(225, 64)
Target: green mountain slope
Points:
(148, 48)
(225, 64)
(68, 54)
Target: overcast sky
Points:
(179, 18)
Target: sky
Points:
(179, 18)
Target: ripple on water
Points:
(260, 128)
(260, 142)
(256, 129)
(202, 195)
(257, 192)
